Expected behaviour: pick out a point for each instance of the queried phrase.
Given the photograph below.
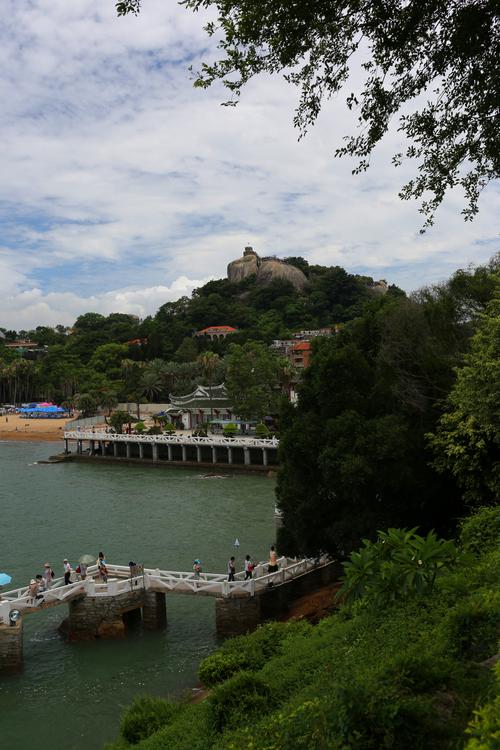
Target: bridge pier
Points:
(11, 647)
(154, 611)
(100, 616)
(237, 616)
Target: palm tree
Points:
(151, 383)
(209, 362)
(87, 404)
(133, 371)
(108, 400)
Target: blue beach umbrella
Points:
(4, 579)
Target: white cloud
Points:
(117, 173)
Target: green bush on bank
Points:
(480, 532)
(144, 717)
(245, 653)
(484, 729)
(408, 674)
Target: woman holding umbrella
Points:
(4, 580)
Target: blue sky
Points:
(124, 187)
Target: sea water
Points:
(70, 696)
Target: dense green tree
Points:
(354, 452)
(434, 64)
(187, 351)
(467, 440)
(252, 380)
(107, 359)
(86, 404)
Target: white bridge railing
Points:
(165, 581)
(236, 442)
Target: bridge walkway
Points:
(156, 580)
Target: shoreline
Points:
(30, 437)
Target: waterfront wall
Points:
(237, 616)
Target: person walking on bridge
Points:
(231, 569)
(48, 575)
(249, 567)
(67, 572)
(101, 567)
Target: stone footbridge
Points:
(100, 609)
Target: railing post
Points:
(229, 455)
(128, 450)
(264, 456)
(198, 453)
(246, 453)
(115, 448)
(155, 451)
(214, 454)
(184, 453)
(169, 449)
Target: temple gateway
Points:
(203, 405)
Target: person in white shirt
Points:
(67, 572)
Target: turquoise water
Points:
(70, 696)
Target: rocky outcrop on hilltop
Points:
(265, 270)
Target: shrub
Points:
(230, 430)
(399, 564)
(244, 696)
(220, 666)
(144, 717)
(200, 432)
(480, 532)
(155, 430)
(248, 653)
(474, 626)
(139, 427)
(189, 730)
(484, 729)
(261, 431)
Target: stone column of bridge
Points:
(11, 647)
(100, 616)
(237, 616)
(154, 610)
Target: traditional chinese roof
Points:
(200, 398)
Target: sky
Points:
(123, 187)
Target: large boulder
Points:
(264, 270)
(246, 266)
(269, 270)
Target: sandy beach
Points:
(12, 427)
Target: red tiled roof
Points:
(211, 329)
(301, 346)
